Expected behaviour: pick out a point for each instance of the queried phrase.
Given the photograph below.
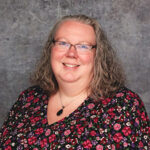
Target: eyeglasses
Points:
(80, 48)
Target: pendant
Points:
(59, 112)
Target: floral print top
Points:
(120, 122)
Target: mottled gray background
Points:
(25, 25)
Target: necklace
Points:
(60, 111)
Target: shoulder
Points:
(31, 92)
(125, 96)
(30, 96)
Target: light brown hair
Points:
(108, 75)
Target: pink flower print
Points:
(119, 95)
(90, 125)
(117, 137)
(117, 126)
(20, 125)
(125, 144)
(137, 121)
(90, 106)
(113, 147)
(126, 131)
(26, 105)
(99, 147)
(67, 132)
(37, 108)
(101, 131)
(136, 102)
(87, 144)
(48, 131)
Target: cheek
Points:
(87, 59)
(55, 55)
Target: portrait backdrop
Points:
(25, 25)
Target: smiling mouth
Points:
(70, 65)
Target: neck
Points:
(72, 89)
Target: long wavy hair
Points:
(108, 75)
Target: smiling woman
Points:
(79, 99)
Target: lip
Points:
(71, 65)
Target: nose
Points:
(72, 52)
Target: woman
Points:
(79, 100)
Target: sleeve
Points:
(131, 126)
(10, 123)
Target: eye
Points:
(83, 46)
(61, 43)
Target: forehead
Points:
(72, 29)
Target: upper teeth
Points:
(69, 65)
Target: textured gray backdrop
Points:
(25, 25)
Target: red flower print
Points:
(103, 141)
(140, 144)
(117, 126)
(133, 138)
(30, 98)
(87, 144)
(32, 140)
(5, 132)
(68, 139)
(117, 137)
(34, 119)
(74, 141)
(92, 133)
(80, 130)
(44, 121)
(126, 131)
(95, 119)
(8, 148)
(106, 101)
(39, 131)
(143, 116)
(43, 143)
(36, 100)
(7, 142)
(52, 138)
(111, 113)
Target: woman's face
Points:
(71, 65)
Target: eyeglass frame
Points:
(75, 45)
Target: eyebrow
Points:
(80, 42)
